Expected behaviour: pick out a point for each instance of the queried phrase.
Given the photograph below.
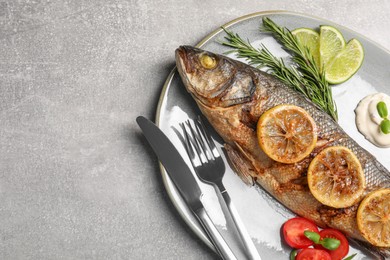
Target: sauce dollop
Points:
(368, 119)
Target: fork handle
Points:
(246, 239)
(218, 241)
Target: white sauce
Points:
(368, 119)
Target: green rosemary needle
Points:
(303, 75)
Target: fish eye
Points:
(207, 61)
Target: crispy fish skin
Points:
(233, 95)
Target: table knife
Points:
(184, 180)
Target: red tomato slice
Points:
(342, 250)
(313, 254)
(293, 232)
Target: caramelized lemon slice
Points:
(336, 178)
(286, 133)
(373, 218)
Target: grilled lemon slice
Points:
(335, 177)
(373, 218)
(286, 133)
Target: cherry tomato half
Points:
(313, 254)
(293, 232)
(342, 250)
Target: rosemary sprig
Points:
(304, 75)
(303, 57)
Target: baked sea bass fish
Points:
(276, 137)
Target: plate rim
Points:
(165, 177)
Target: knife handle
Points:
(220, 244)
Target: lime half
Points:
(345, 64)
(331, 43)
(311, 39)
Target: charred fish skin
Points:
(233, 95)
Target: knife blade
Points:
(184, 180)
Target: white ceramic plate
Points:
(263, 215)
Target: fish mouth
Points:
(181, 55)
(183, 64)
(180, 52)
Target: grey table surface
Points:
(77, 178)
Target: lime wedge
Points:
(345, 64)
(331, 43)
(311, 39)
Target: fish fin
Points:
(241, 165)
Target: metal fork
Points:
(210, 168)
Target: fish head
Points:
(207, 76)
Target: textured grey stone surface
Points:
(77, 179)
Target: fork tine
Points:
(193, 145)
(198, 144)
(207, 137)
(188, 145)
(202, 140)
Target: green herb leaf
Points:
(313, 236)
(293, 254)
(382, 109)
(350, 257)
(385, 126)
(330, 243)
